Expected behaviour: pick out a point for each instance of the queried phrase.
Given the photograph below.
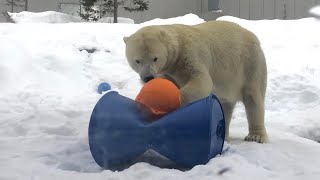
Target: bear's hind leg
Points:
(254, 105)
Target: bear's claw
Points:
(257, 138)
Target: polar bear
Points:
(217, 57)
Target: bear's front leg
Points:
(198, 87)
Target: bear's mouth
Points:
(147, 78)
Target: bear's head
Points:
(147, 52)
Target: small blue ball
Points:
(103, 87)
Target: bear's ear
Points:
(125, 39)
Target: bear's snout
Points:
(147, 78)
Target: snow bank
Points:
(58, 17)
(43, 17)
(188, 19)
(315, 11)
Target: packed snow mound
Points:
(43, 17)
(315, 11)
(58, 17)
(188, 19)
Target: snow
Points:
(315, 11)
(48, 90)
(58, 17)
(120, 20)
(43, 17)
(188, 19)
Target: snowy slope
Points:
(48, 82)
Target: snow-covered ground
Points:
(49, 74)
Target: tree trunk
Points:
(26, 5)
(115, 11)
(12, 6)
(8, 17)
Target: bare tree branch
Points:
(8, 17)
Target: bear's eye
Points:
(155, 59)
(138, 61)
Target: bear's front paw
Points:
(257, 138)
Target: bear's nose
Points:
(147, 78)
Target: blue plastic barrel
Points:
(119, 132)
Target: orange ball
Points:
(159, 96)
